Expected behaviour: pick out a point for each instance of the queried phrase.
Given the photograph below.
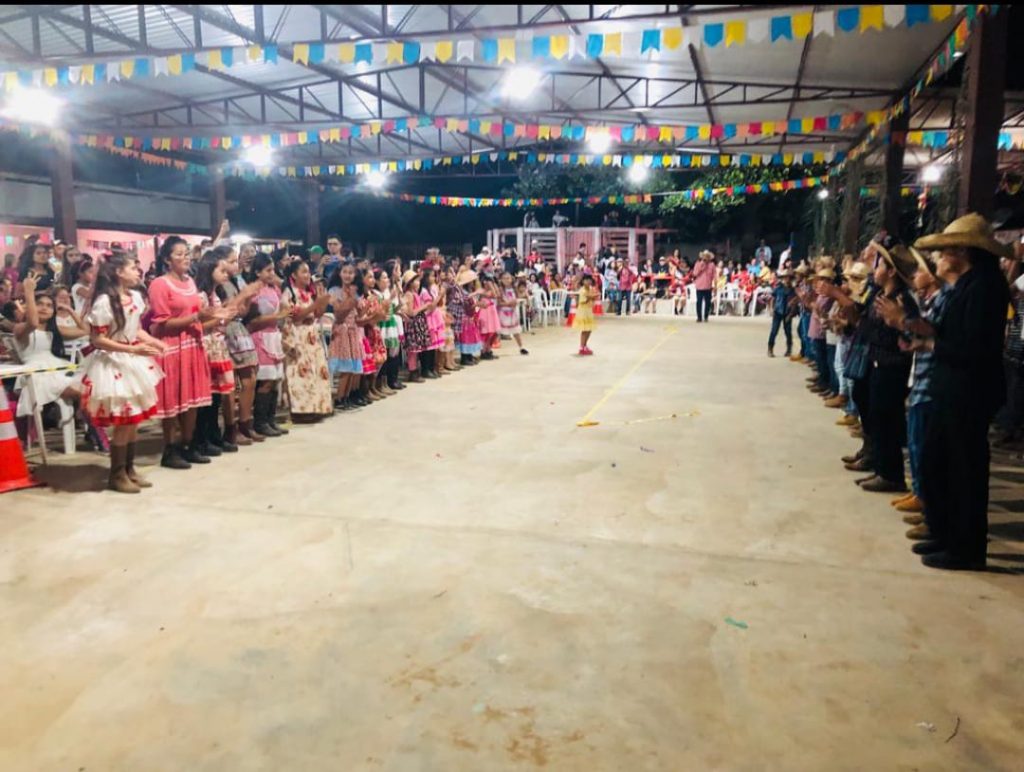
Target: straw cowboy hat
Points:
(407, 277)
(926, 262)
(828, 274)
(465, 277)
(802, 270)
(898, 258)
(857, 273)
(706, 254)
(971, 230)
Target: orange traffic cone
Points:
(598, 308)
(13, 470)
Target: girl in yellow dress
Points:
(584, 319)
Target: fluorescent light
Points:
(823, 194)
(932, 173)
(638, 174)
(257, 155)
(376, 180)
(600, 143)
(240, 238)
(520, 83)
(33, 105)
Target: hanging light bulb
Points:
(377, 180)
(932, 173)
(638, 174)
(520, 83)
(600, 143)
(823, 194)
(259, 156)
(33, 105)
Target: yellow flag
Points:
(559, 46)
(802, 23)
(704, 131)
(335, 135)
(735, 33)
(915, 138)
(443, 50)
(613, 44)
(724, 160)
(255, 53)
(543, 131)
(300, 53)
(485, 127)
(787, 159)
(127, 68)
(303, 137)
(394, 53)
(346, 53)
(768, 128)
(672, 38)
(225, 143)
(452, 124)
(50, 76)
(216, 62)
(173, 65)
(11, 80)
(606, 160)
(374, 127)
(871, 17)
(807, 125)
(819, 157)
(940, 12)
(506, 50)
(665, 134)
(88, 73)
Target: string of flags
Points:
(694, 194)
(654, 43)
(577, 131)
(667, 161)
(951, 50)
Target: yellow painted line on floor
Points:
(585, 421)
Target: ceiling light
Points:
(932, 173)
(600, 143)
(376, 180)
(520, 83)
(240, 238)
(638, 174)
(823, 194)
(33, 105)
(258, 155)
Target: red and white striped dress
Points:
(186, 383)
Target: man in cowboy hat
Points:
(704, 275)
(855, 286)
(783, 301)
(967, 387)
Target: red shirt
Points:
(626, 279)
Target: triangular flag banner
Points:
(541, 47)
(803, 23)
(735, 33)
(872, 17)
(613, 44)
(941, 12)
(464, 51)
(595, 45)
(300, 53)
(506, 50)
(443, 50)
(894, 15)
(847, 19)
(650, 40)
(917, 14)
(393, 53)
(781, 28)
(825, 23)
(559, 46)
(672, 38)
(757, 30)
(713, 34)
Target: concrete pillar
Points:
(985, 70)
(218, 199)
(62, 189)
(311, 189)
(892, 181)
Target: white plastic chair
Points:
(537, 302)
(556, 304)
(691, 299)
(730, 296)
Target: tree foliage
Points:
(550, 181)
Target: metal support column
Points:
(891, 202)
(62, 189)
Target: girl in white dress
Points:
(119, 378)
(37, 340)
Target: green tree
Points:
(553, 181)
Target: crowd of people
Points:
(909, 342)
(213, 340)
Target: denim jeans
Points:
(625, 301)
(613, 299)
(917, 427)
(778, 320)
(845, 384)
(806, 349)
(830, 360)
(703, 302)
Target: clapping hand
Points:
(890, 311)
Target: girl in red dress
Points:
(177, 322)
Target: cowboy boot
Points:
(272, 412)
(118, 480)
(133, 475)
(233, 435)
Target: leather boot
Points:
(261, 415)
(118, 480)
(133, 475)
(272, 415)
(172, 459)
(193, 454)
(771, 353)
(235, 437)
(245, 430)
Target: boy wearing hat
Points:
(967, 387)
(783, 302)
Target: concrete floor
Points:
(461, 579)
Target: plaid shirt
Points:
(931, 311)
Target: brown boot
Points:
(839, 401)
(913, 519)
(118, 480)
(919, 533)
(129, 469)
(910, 504)
(246, 430)
(231, 434)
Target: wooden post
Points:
(62, 190)
(218, 199)
(891, 201)
(985, 71)
(312, 194)
(851, 207)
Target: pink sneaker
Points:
(583, 352)
(588, 352)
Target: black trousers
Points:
(703, 304)
(207, 424)
(889, 419)
(391, 369)
(1011, 417)
(954, 477)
